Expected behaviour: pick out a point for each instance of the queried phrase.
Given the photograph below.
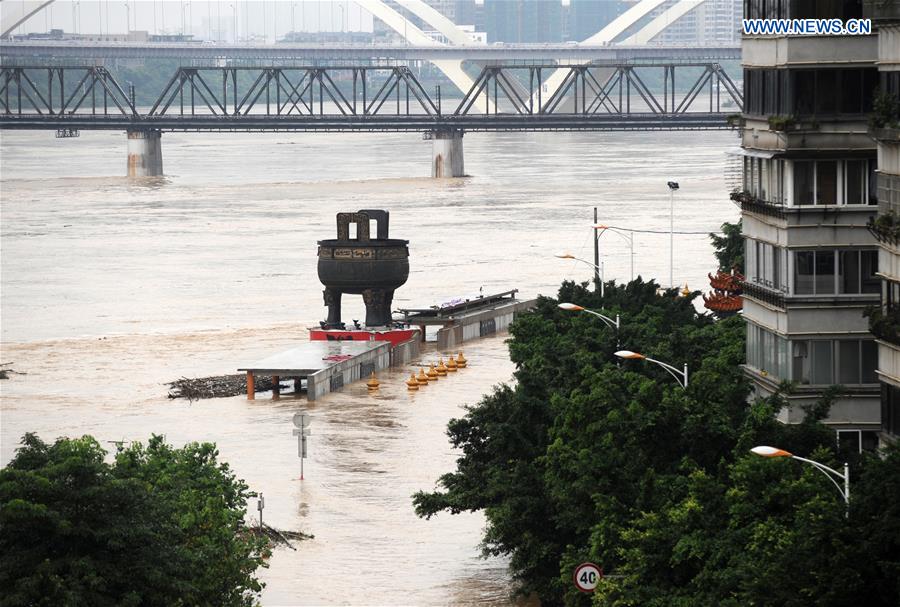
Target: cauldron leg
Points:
(375, 307)
(333, 301)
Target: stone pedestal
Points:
(447, 154)
(144, 154)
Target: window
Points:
(824, 272)
(766, 351)
(831, 182)
(850, 272)
(804, 272)
(803, 182)
(856, 441)
(809, 92)
(840, 361)
(826, 182)
(764, 263)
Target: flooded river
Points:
(112, 287)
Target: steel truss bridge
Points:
(592, 97)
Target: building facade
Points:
(885, 129)
(809, 189)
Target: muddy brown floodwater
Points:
(112, 287)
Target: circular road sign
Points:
(587, 576)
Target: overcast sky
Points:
(199, 17)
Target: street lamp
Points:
(629, 239)
(680, 376)
(570, 307)
(673, 185)
(598, 270)
(831, 473)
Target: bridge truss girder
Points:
(590, 95)
(363, 98)
(59, 97)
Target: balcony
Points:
(753, 204)
(884, 323)
(885, 228)
(884, 122)
(881, 10)
(762, 294)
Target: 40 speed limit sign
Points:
(587, 576)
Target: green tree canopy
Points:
(158, 526)
(729, 247)
(588, 457)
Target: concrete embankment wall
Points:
(481, 324)
(406, 352)
(346, 372)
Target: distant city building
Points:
(327, 38)
(58, 34)
(712, 22)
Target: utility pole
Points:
(597, 281)
(673, 185)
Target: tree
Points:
(729, 248)
(591, 458)
(158, 526)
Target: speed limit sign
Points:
(587, 576)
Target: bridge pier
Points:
(144, 153)
(447, 153)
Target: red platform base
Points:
(395, 336)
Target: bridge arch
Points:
(18, 13)
(620, 24)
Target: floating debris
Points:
(6, 370)
(276, 536)
(218, 386)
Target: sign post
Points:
(587, 576)
(301, 421)
(260, 504)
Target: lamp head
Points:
(673, 185)
(565, 256)
(570, 307)
(764, 451)
(629, 354)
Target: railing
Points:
(763, 295)
(884, 323)
(885, 228)
(753, 204)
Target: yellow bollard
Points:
(422, 379)
(412, 383)
(432, 373)
(441, 368)
(451, 365)
(373, 383)
(461, 360)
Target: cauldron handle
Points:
(382, 218)
(362, 226)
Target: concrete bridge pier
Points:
(447, 153)
(144, 154)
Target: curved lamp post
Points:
(570, 307)
(598, 270)
(680, 376)
(831, 473)
(627, 236)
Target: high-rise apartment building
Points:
(885, 128)
(809, 189)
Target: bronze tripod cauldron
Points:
(371, 267)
